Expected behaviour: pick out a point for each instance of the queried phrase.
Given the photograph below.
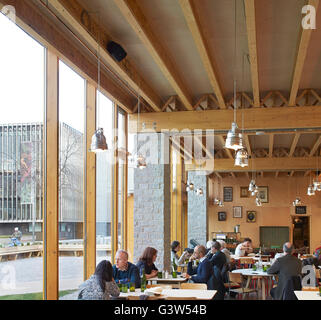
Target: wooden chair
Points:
(246, 262)
(237, 278)
(194, 286)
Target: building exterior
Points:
(21, 179)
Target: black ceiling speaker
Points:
(116, 51)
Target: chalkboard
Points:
(300, 209)
(227, 194)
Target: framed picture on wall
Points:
(221, 216)
(228, 194)
(244, 192)
(250, 216)
(237, 212)
(300, 209)
(263, 194)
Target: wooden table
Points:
(169, 280)
(307, 295)
(250, 273)
(176, 293)
(248, 257)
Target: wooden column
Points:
(125, 190)
(114, 216)
(51, 170)
(90, 186)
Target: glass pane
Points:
(104, 162)
(71, 175)
(121, 175)
(21, 145)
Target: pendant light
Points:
(317, 183)
(140, 159)
(311, 191)
(311, 188)
(190, 187)
(242, 158)
(234, 138)
(98, 140)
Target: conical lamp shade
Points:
(141, 162)
(241, 158)
(234, 138)
(98, 141)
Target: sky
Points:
(22, 82)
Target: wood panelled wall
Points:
(277, 212)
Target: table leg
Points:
(263, 288)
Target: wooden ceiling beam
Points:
(251, 36)
(72, 13)
(136, 19)
(294, 143)
(255, 119)
(300, 58)
(193, 22)
(315, 146)
(261, 164)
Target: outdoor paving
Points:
(26, 275)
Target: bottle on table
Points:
(174, 266)
(143, 280)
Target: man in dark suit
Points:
(218, 258)
(286, 267)
(204, 270)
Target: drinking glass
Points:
(132, 287)
(160, 274)
(124, 288)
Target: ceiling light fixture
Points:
(242, 158)
(234, 138)
(98, 140)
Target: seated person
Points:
(146, 261)
(225, 250)
(317, 256)
(124, 271)
(244, 248)
(17, 234)
(218, 259)
(101, 285)
(285, 267)
(204, 270)
(176, 246)
(209, 253)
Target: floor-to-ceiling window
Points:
(121, 177)
(22, 102)
(104, 179)
(71, 177)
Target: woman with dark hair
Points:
(175, 247)
(146, 261)
(101, 285)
